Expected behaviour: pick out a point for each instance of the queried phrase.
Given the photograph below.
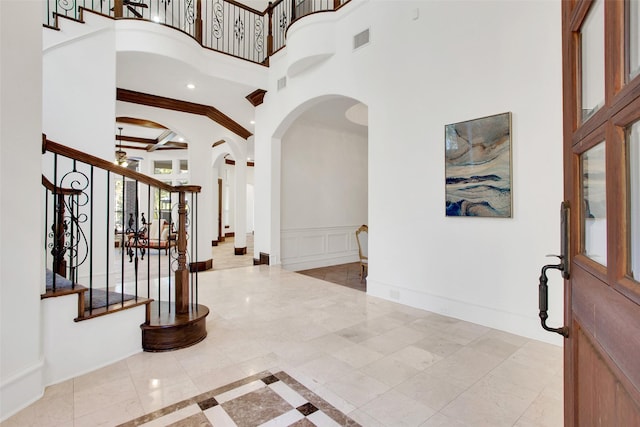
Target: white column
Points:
(21, 201)
(215, 173)
(275, 203)
(240, 206)
(201, 173)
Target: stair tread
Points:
(113, 308)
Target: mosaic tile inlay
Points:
(263, 399)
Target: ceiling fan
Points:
(121, 156)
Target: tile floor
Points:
(224, 256)
(266, 399)
(380, 363)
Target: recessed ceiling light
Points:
(191, 86)
(181, 139)
(156, 19)
(253, 122)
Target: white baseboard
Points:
(21, 390)
(527, 326)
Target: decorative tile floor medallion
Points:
(263, 399)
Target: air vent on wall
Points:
(282, 83)
(361, 39)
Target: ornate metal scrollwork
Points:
(189, 11)
(284, 21)
(238, 29)
(259, 35)
(136, 239)
(68, 239)
(218, 20)
(67, 4)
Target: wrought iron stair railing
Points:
(91, 251)
(225, 26)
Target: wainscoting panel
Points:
(338, 243)
(308, 248)
(311, 246)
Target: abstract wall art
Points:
(478, 167)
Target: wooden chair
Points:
(362, 236)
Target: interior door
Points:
(601, 88)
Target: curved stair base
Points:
(171, 331)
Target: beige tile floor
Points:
(381, 363)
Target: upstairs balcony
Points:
(224, 26)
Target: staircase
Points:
(158, 291)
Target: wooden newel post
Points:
(182, 273)
(117, 8)
(199, 21)
(270, 34)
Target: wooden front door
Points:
(601, 88)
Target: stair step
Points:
(93, 302)
(114, 308)
(170, 330)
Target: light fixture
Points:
(191, 86)
(121, 156)
(253, 122)
(156, 19)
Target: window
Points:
(162, 167)
(184, 166)
(162, 203)
(594, 204)
(592, 61)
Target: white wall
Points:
(228, 198)
(78, 107)
(324, 177)
(429, 64)
(70, 347)
(21, 362)
(324, 195)
(79, 78)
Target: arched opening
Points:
(324, 184)
(233, 180)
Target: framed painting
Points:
(478, 167)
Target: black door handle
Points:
(563, 267)
(543, 298)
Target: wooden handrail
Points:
(72, 153)
(245, 7)
(59, 190)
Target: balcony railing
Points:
(222, 25)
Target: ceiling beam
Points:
(135, 139)
(161, 140)
(139, 122)
(213, 113)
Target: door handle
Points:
(543, 298)
(563, 267)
